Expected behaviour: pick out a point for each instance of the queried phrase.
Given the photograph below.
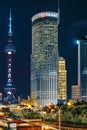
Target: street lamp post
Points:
(60, 116)
(59, 119)
(8, 125)
(8, 122)
(68, 104)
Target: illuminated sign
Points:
(44, 15)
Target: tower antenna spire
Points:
(10, 28)
(58, 12)
(10, 24)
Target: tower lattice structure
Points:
(10, 50)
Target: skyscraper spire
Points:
(10, 28)
(58, 13)
(10, 24)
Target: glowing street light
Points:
(59, 108)
(60, 116)
(8, 122)
(69, 104)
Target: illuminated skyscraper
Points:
(75, 92)
(62, 80)
(44, 57)
(82, 69)
(9, 50)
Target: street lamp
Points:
(8, 125)
(8, 122)
(60, 116)
(59, 108)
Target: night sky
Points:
(73, 25)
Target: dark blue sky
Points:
(73, 25)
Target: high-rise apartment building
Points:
(44, 58)
(82, 69)
(62, 80)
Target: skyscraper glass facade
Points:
(44, 58)
(82, 69)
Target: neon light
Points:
(10, 26)
(43, 15)
(77, 42)
(9, 84)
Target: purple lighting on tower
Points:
(9, 50)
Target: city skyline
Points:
(73, 25)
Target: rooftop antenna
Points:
(10, 24)
(58, 13)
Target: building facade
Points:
(82, 69)
(75, 92)
(44, 58)
(62, 80)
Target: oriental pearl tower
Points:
(10, 50)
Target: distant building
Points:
(62, 80)
(82, 69)
(0, 98)
(44, 87)
(19, 99)
(75, 92)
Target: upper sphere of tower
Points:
(43, 15)
(10, 48)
